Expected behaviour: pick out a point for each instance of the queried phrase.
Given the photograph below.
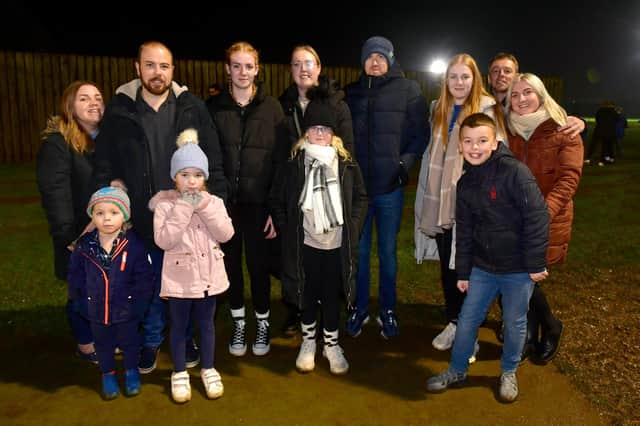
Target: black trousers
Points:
(123, 335)
(453, 298)
(248, 223)
(323, 282)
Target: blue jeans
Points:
(387, 210)
(484, 287)
(155, 318)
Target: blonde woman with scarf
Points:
(462, 95)
(555, 160)
(319, 204)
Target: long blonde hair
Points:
(555, 111)
(65, 121)
(445, 101)
(336, 143)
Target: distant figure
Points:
(621, 124)
(214, 89)
(604, 134)
(63, 170)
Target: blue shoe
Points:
(389, 323)
(192, 354)
(131, 382)
(110, 388)
(148, 357)
(92, 357)
(355, 321)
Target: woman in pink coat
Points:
(189, 224)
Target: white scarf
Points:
(525, 124)
(321, 192)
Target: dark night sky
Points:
(593, 46)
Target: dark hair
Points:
(504, 55)
(476, 120)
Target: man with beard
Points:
(136, 141)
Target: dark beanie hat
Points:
(379, 45)
(319, 114)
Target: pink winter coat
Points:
(190, 237)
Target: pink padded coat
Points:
(190, 237)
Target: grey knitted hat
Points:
(379, 45)
(189, 154)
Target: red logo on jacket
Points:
(493, 193)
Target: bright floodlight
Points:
(438, 66)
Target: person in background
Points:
(135, 144)
(319, 205)
(110, 283)
(502, 68)
(555, 159)
(189, 225)
(250, 127)
(310, 87)
(462, 94)
(390, 133)
(64, 165)
(498, 205)
(214, 89)
(621, 125)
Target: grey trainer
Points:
(508, 387)
(444, 380)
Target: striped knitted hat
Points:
(111, 194)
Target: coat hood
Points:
(168, 195)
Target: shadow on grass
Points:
(38, 351)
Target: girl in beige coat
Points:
(189, 224)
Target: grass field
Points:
(596, 293)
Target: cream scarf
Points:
(524, 125)
(321, 191)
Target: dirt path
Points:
(42, 385)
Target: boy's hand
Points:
(463, 285)
(573, 128)
(539, 276)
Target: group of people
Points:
(154, 202)
(608, 134)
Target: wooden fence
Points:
(32, 82)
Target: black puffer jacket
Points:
(288, 219)
(122, 150)
(253, 142)
(327, 91)
(64, 181)
(502, 221)
(389, 126)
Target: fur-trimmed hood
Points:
(130, 89)
(170, 195)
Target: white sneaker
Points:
(476, 348)
(508, 387)
(306, 357)
(212, 382)
(180, 387)
(337, 362)
(444, 340)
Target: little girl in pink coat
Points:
(189, 224)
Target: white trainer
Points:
(212, 382)
(508, 387)
(306, 361)
(180, 387)
(444, 340)
(337, 362)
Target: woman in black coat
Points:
(64, 167)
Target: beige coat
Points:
(190, 237)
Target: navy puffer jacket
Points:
(390, 128)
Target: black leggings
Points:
(453, 297)
(323, 280)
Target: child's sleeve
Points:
(170, 221)
(464, 234)
(215, 217)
